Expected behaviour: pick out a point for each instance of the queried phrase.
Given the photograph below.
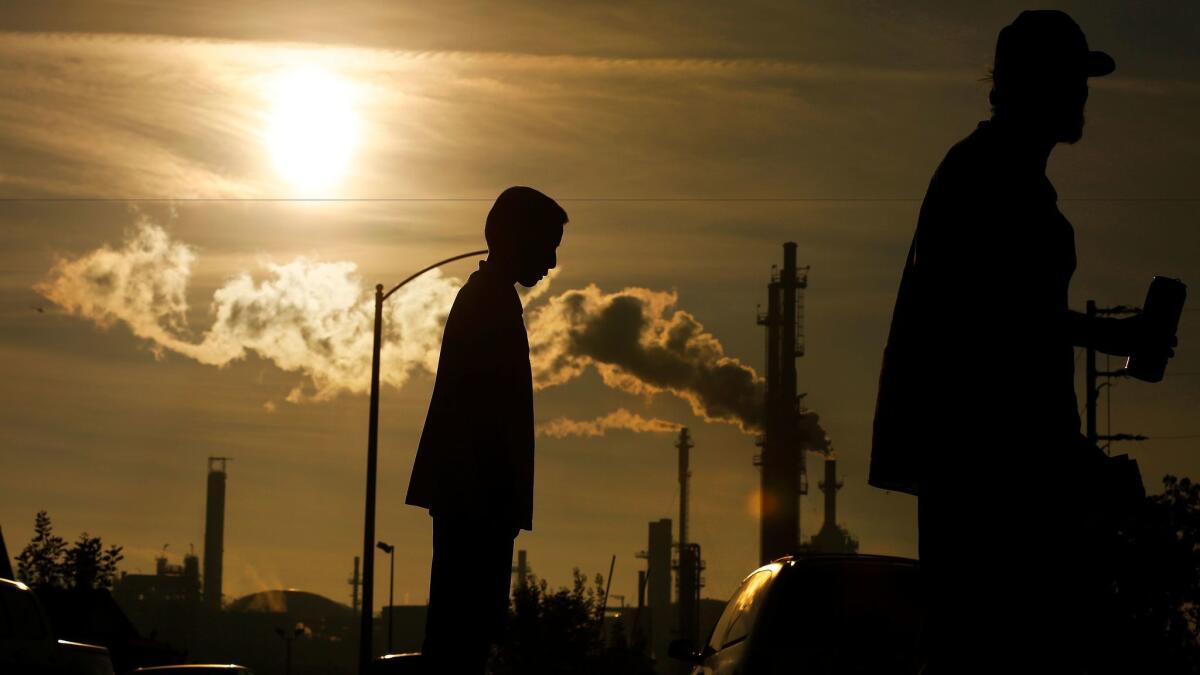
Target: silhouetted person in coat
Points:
(474, 466)
(977, 412)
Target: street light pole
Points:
(288, 638)
(391, 551)
(368, 572)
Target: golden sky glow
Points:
(112, 405)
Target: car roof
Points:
(847, 558)
(191, 667)
(11, 584)
(809, 559)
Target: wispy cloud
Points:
(121, 116)
(561, 427)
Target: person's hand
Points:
(1136, 335)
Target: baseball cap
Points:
(1046, 44)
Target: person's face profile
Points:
(539, 255)
(1071, 105)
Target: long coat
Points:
(978, 358)
(475, 458)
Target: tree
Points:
(560, 632)
(1156, 584)
(47, 561)
(88, 564)
(40, 563)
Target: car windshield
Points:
(848, 618)
(739, 614)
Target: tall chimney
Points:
(214, 532)
(830, 487)
(687, 577)
(355, 581)
(782, 458)
(522, 570)
(683, 445)
(658, 591)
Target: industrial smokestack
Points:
(658, 591)
(214, 532)
(355, 581)
(522, 570)
(787, 429)
(683, 445)
(830, 487)
(688, 574)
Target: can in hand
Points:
(1163, 307)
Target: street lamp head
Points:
(386, 548)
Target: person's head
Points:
(1039, 77)
(523, 231)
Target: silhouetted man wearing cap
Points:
(474, 466)
(976, 411)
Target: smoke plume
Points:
(305, 316)
(621, 418)
(315, 318)
(639, 343)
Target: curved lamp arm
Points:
(436, 264)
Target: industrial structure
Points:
(355, 582)
(688, 565)
(832, 538)
(214, 532)
(521, 569)
(784, 477)
(658, 591)
(171, 586)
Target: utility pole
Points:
(1092, 375)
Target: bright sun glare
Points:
(312, 128)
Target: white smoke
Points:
(306, 316)
(142, 284)
(316, 318)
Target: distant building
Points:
(252, 631)
(164, 604)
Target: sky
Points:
(197, 199)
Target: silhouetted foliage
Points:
(40, 563)
(1157, 583)
(560, 632)
(47, 561)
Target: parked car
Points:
(27, 645)
(195, 669)
(821, 615)
(397, 664)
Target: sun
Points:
(312, 128)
